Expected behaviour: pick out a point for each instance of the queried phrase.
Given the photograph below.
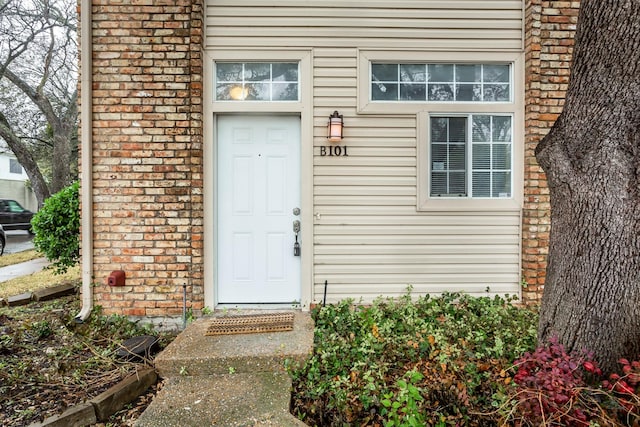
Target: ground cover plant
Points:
(453, 360)
(48, 362)
(554, 387)
(413, 362)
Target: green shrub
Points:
(433, 361)
(57, 228)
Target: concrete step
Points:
(194, 353)
(228, 380)
(229, 400)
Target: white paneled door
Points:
(258, 184)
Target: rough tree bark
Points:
(591, 158)
(24, 156)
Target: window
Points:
(469, 117)
(15, 167)
(470, 156)
(440, 82)
(257, 81)
(13, 206)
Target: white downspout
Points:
(86, 136)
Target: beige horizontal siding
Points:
(400, 287)
(397, 231)
(325, 252)
(449, 220)
(368, 237)
(487, 242)
(456, 24)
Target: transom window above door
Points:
(257, 81)
(439, 82)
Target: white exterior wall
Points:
(5, 173)
(369, 238)
(13, 186)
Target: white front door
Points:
(258, 184)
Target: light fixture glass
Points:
(335, 127)
(238, 93)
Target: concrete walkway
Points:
(23, 269)
(228, 380)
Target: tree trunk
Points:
(26, 160)
(61, 176)
(62, 127)
(591, 157)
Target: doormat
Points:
(250, 324)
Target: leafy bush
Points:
(549, 382)
(557, 388)
(57, 228)
(433, 361)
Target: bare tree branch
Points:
(38, 90)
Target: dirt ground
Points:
(48, 362)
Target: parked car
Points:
(3, 240)
(13, 216)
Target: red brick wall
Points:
(147, 154)
(550, 28)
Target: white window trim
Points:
(239, 55)
(423, 110)
(243, 82)
(427, 82)
(426, 201)
(366, 57)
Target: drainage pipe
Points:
(86, 138)
(184, 306)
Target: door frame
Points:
(211, 111)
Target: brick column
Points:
(549, 37)
(147, 154)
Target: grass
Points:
(17, 258)
(35, 281)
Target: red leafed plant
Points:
(626, 388)
(557, 388)
(549, 384)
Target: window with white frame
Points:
(15, 167)
(470, 155)
(440, 82)
(469, 111)
(257, 81)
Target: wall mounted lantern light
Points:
(334, 127)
